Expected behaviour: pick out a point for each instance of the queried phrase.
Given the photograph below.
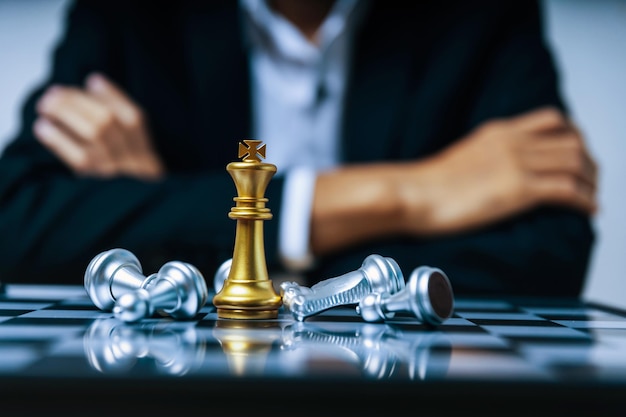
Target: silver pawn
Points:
(376, 274)
(178, 290)
(428, 296)
(111, 274)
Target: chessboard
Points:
(492, 357)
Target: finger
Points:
(77, 156)
(545, 118)
(140, 158)
(563, 190)
(115, 98)
(560, 165)
(87, 119)
(565, 161)
(563, 153)
(589, 159)
(78, 112)
(127, 113)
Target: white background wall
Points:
(589, 41)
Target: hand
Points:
(97, 131)
(502, 168)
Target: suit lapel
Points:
(218, 77)
(378, 86)
(220, 86)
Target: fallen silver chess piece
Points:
(428, 296)
(377, 274)
(114, 281)
(110, 274)
(177, 290)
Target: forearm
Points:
(51, 227)
(498, 171)
(359, 203)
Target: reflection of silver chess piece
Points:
(380, 351)
(115, 347)
(428, 296)
(111, 274)
(376, 274)
(359, 345)
(178, 290)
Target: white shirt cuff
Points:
(294, 224)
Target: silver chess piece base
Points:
(428, 296)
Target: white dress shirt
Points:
(297, 93)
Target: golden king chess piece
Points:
(248, 293)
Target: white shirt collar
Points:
(298, 87)
(287, 40)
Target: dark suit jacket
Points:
(424, 75)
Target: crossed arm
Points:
(502, 168)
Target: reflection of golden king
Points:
(247, 344)
(248, 292)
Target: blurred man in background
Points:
(432, 133)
